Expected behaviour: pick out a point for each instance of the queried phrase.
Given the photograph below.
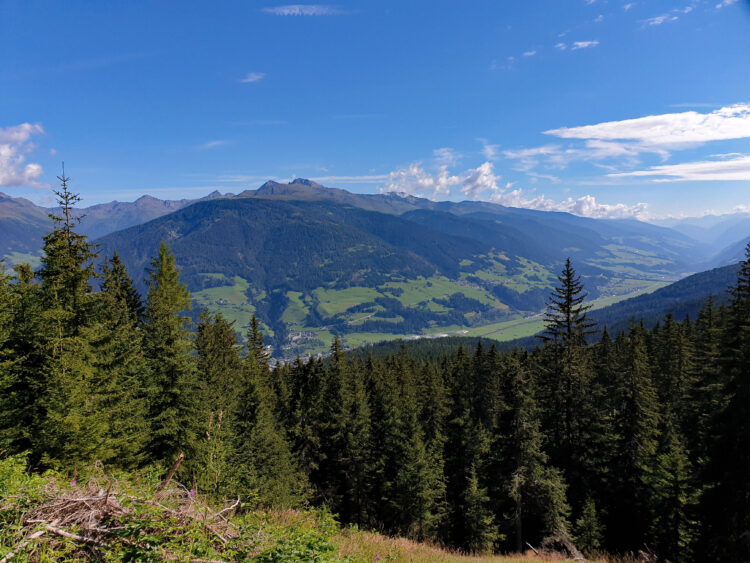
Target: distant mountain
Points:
(312, 261)
(23, 223)
(715, 231)
(104, 218)
(732, 253)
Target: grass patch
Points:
(416, 291)
(335, 301)
(229, 300)
(297, 311)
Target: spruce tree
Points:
(637, 423)
(121, 380)
(266, 469)
(567, 377)
(168, 346)
(674, 500)
(726, 518)
(74, 426)
(23, 383)
(221, 376)
(534, 493)
(588, 529)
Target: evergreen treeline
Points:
(641, 439)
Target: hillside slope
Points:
(682, 299)
(312, 262)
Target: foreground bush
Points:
(137, 518)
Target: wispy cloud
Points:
(489, 151)
(670, 129)
(725, 3)
(627, 6)
(15, 144)
(365, 179)
(303, 10)
(561, 46)
(622, 143)
(446, 155)
(730, 169)
(529, 53)
(251, 77)
(584, 44)
(658, 20)
(214, 144)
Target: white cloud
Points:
(251, 77)
(482, 184)
(15, 144)
(446, 155)
(627, 6)
(658, 20)
(303, 10)
(584, 44)
(479, 180)
(529, 53)
(415, 180)
(561, 46)
(670, 129)
(599, 18)
(585, 206)
(725, 3)
(731, 169)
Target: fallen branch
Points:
(228, 508)
(171, 472)
(532, 548)
(76, 537)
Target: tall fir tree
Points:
(726, 518)
(221, 376)
(74, 426)
(637, 422)
(23, 383)
(121, 379)
(567, 382)
(168, 347)
(533, 498)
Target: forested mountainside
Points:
(312, 262)
(681, 299)
(635, 442)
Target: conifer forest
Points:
(628, 442)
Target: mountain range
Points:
(312, 261)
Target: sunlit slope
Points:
(317, 266)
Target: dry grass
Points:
(367, 546)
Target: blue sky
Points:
(598, 107)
